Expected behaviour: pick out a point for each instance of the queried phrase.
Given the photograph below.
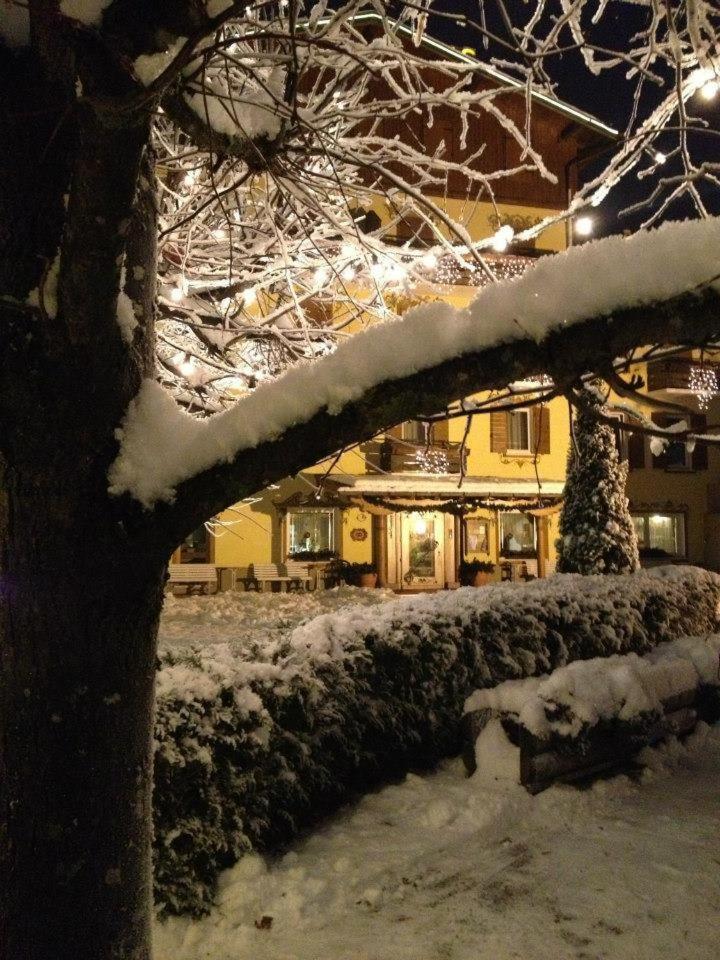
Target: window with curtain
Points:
(661, 533)
(311, 530)
(517, 534)
(519, 432)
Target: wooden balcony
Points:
(674, 374)
(406, 456)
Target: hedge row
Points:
(252, 748)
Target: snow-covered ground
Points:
(247, 616)
(443, 867)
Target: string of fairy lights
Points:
(703, 382)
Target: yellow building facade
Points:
(418, 500)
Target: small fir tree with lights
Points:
(596, 530)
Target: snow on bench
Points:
(290, 575)
(593, 715)
(191, 575)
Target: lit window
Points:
(518, 430)
(517, 534)
(311, 531)
(660, 534)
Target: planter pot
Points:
(368, 580)
(481, 579)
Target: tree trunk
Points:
(79, 623)
(80, 582)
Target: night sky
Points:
(608, 97)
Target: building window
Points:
(196, 548)
(519, 432)
(517, 535)
(311, 531)
(660, 534)
(416, 431)
(674, 456)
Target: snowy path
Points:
(446, 868)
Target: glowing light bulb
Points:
(320, 277)
(348, 273)
(429, 261)
(219, 234)
(377, 271)
(503, 238)
(348, 251)
(249, 296)
(584, 226)
(184, 362)
(190, 178)
(709, 90)
(660, 157)
(177, 294)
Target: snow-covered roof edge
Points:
(161, 446)
(493, 73)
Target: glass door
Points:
(422, 543)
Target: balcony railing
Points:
(407, 456)
(674, 373)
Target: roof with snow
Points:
(498, 76)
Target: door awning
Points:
(385, 494)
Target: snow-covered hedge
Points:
(256, 744)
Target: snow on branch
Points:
(161, 446)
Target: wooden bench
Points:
(201, 575)
(292, 575)
(543, 762)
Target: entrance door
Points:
(422, 551)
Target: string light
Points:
(429, 260)
(320, 277)
(584, 226)
(177, 293)
(249, 296)
(185, 363)
(660, 157)
(709, 90)
(431, 461)
(503, 238)
(703, 382)
(348, 273)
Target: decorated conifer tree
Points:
(596, 529)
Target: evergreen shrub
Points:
(252, 748)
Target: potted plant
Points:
(360, 574)
(475, 573)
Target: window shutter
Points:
(699, 458)
(636, 451)
(541, 429)
(498, 432)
